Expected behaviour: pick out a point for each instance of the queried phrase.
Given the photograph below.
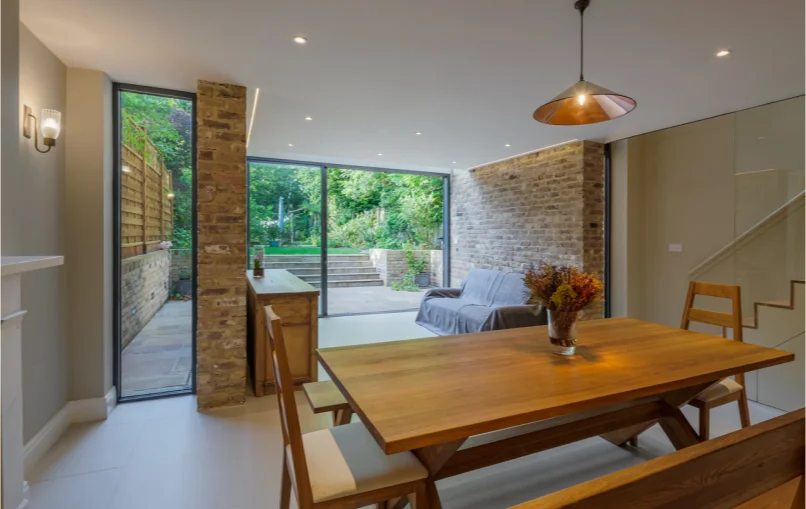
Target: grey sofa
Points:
(487, 300)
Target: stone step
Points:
(316, 265)
(330, 270)
(354, 276)
(346, 284)
(315, 258)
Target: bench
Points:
(757, 467)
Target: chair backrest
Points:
(762, 465)
(732, 320)
(284, 388)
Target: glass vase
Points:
(563, 331)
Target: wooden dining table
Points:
(468, 401)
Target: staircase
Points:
(342, 270)
(780, 325)
(751, 322)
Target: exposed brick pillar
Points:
(221, 217)
(593, 217)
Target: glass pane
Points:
(156, 231)
(769, 184)
(285, 219)
(384, 240)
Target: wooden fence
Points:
(146, 210)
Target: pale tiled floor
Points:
(164, 455)
(159, 358)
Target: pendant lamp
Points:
(584, 102)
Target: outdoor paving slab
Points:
(159, 358)
(371, 299)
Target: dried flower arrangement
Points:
(564, 291)
(562, 288)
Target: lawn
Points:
(306, 250)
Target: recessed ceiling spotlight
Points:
(723, 53)
(290, 144)
(418, 133)
(308, 118)
(380, 154)
(453, 162)
(507, 145)
(300, 40)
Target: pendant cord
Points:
(581, 5)
(581, 45)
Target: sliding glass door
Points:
(285, 219)
(370, 240)
(154, 242)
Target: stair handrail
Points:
(781, 213)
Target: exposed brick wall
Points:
(542, 207)
(221, 217)
(391, 264)
(143, 290)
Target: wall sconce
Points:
(170, 196)
(51, 127)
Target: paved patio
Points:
(159, 358)
(370, 299)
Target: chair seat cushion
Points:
(346, 460)
(719, 389)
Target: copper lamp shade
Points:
(584, 103)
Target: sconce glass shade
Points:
(584, 103)
(50, 124)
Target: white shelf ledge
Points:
(20, 264)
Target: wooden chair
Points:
(326, 397)
(754, 468)
(727, 390)
(340, 467)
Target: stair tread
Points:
(776, 303)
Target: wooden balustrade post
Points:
(162, 202)
(145, 203)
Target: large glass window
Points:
(377, 247)
(155, 235)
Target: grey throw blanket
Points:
(487, 300)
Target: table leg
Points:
(433, 459)
(678, 429)
(675, 399)
(342, 417)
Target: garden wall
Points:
(391, 264)
(144, 289)
(180, 259)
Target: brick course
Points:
(143, 291)
(542, 207)
(221, 237)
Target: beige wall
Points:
(88, 231)
(701, 185)
(40, 202)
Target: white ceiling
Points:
(466, 73)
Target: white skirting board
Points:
(83, 410)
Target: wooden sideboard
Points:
(297, 304)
